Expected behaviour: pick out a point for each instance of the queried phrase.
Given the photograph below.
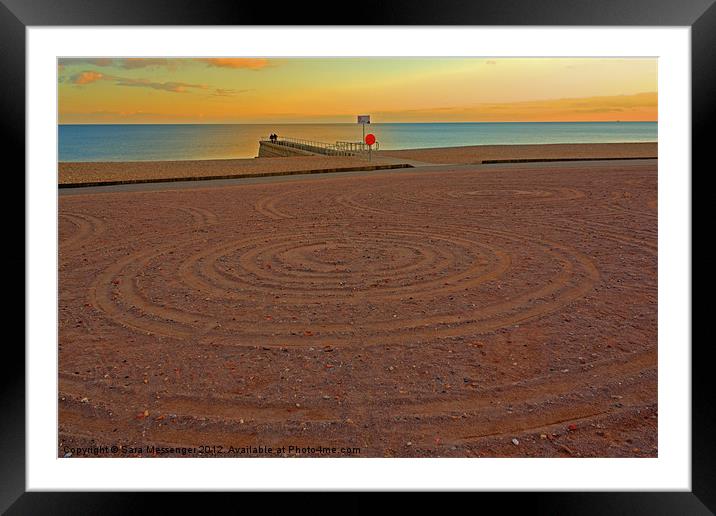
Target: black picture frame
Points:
(17, 15)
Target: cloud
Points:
(615, 102)
(86, 77)
(90, 76)
(175, 87)
(125, 63)
(107, 116)
(227, 92)
(639, 106)
(133, 63)
(249, 63)
(69, 61)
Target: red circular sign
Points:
(370, 139)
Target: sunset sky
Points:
(332, 90)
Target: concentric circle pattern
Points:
(258, 290)
(443, 296)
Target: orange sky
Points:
(270, 90)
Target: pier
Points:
(284, 147)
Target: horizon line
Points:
(374, 123)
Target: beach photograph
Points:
(376, 257)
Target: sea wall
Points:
(272, 150)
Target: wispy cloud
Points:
(133, 63)
(105, 116)
(130, 63)
(90, 76)
(175, 87)
(640, 106)
(227, 92)
(250, 63)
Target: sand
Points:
(91, 172)
(108, 172)
(478, 153)
(440, 313)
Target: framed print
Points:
(432, 249)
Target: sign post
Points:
(369, 140)
(362, 120)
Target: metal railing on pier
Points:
(356, 146)
(328, 149)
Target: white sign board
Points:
(363, 119)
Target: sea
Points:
(150, 142)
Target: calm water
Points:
(186, 142)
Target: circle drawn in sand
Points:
(402, 281)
